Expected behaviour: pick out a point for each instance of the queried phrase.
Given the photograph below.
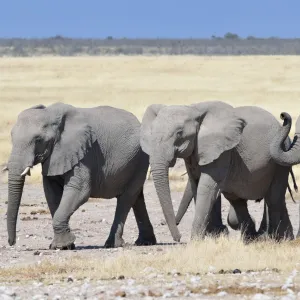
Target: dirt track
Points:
(91, 224)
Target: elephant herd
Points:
(243, 153)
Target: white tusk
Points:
(183, 174)
(5, 169)
(26, 171)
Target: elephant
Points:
(291, 156)
(226, 150)
(188, 196)
(85, 153)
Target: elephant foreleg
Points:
(76, 192)
(53, 190)
(207, 192)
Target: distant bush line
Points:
(230, 44)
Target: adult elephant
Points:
(225, 149)
(248, 224)
(84, 152)
(287, 157)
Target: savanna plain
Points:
(213, 268)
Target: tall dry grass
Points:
(133, 83)
(209, 255)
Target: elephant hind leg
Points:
(215, 225)
(240, 219)
(280, 226)
(132, 197)
(146, 233)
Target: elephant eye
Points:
(38, 140)
(179, 133)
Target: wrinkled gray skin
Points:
(188, 196)
(230, 149)
(279, 154)
(84, 152)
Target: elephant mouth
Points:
(41, 157)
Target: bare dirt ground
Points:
(91, 224)
(202, 271)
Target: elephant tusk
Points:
(5, 169)
(26, 171)
(183, 174)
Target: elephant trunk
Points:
(15, 190)
(185, 202)
(160, 173)
(292, 156)
(18, 167)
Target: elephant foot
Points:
(248, 238)
(218, 231)
(114, 243)
(63, 241)
(143, 241)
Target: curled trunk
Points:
(15, 190)
(160, 173)
(292, 156)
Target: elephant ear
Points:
(219, 131)
(74, 139)
(149, 116)
(38, 106)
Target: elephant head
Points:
(57, 136)
(292, 155)
(206, 130)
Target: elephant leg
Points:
(264, 225)
(280, 226)
(75, 194)
(53, 192)
(146, 233)
(215, 225)
(124, 204)
(239, 219)
(206, 198)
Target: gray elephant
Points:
(225, 149)
(291, 156)
(250, 226)
(84, 152)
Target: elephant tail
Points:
(295, 186)
(294, 181)
(291, 193)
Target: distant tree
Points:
(214, 37)
(231, 36)
(58, 37)
(109, 37)
(251, 37)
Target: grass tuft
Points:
(220, 255)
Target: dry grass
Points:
(196, 257)
(133, 83)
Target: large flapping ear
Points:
(220, 130)
(75, 138)
(149, 116)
